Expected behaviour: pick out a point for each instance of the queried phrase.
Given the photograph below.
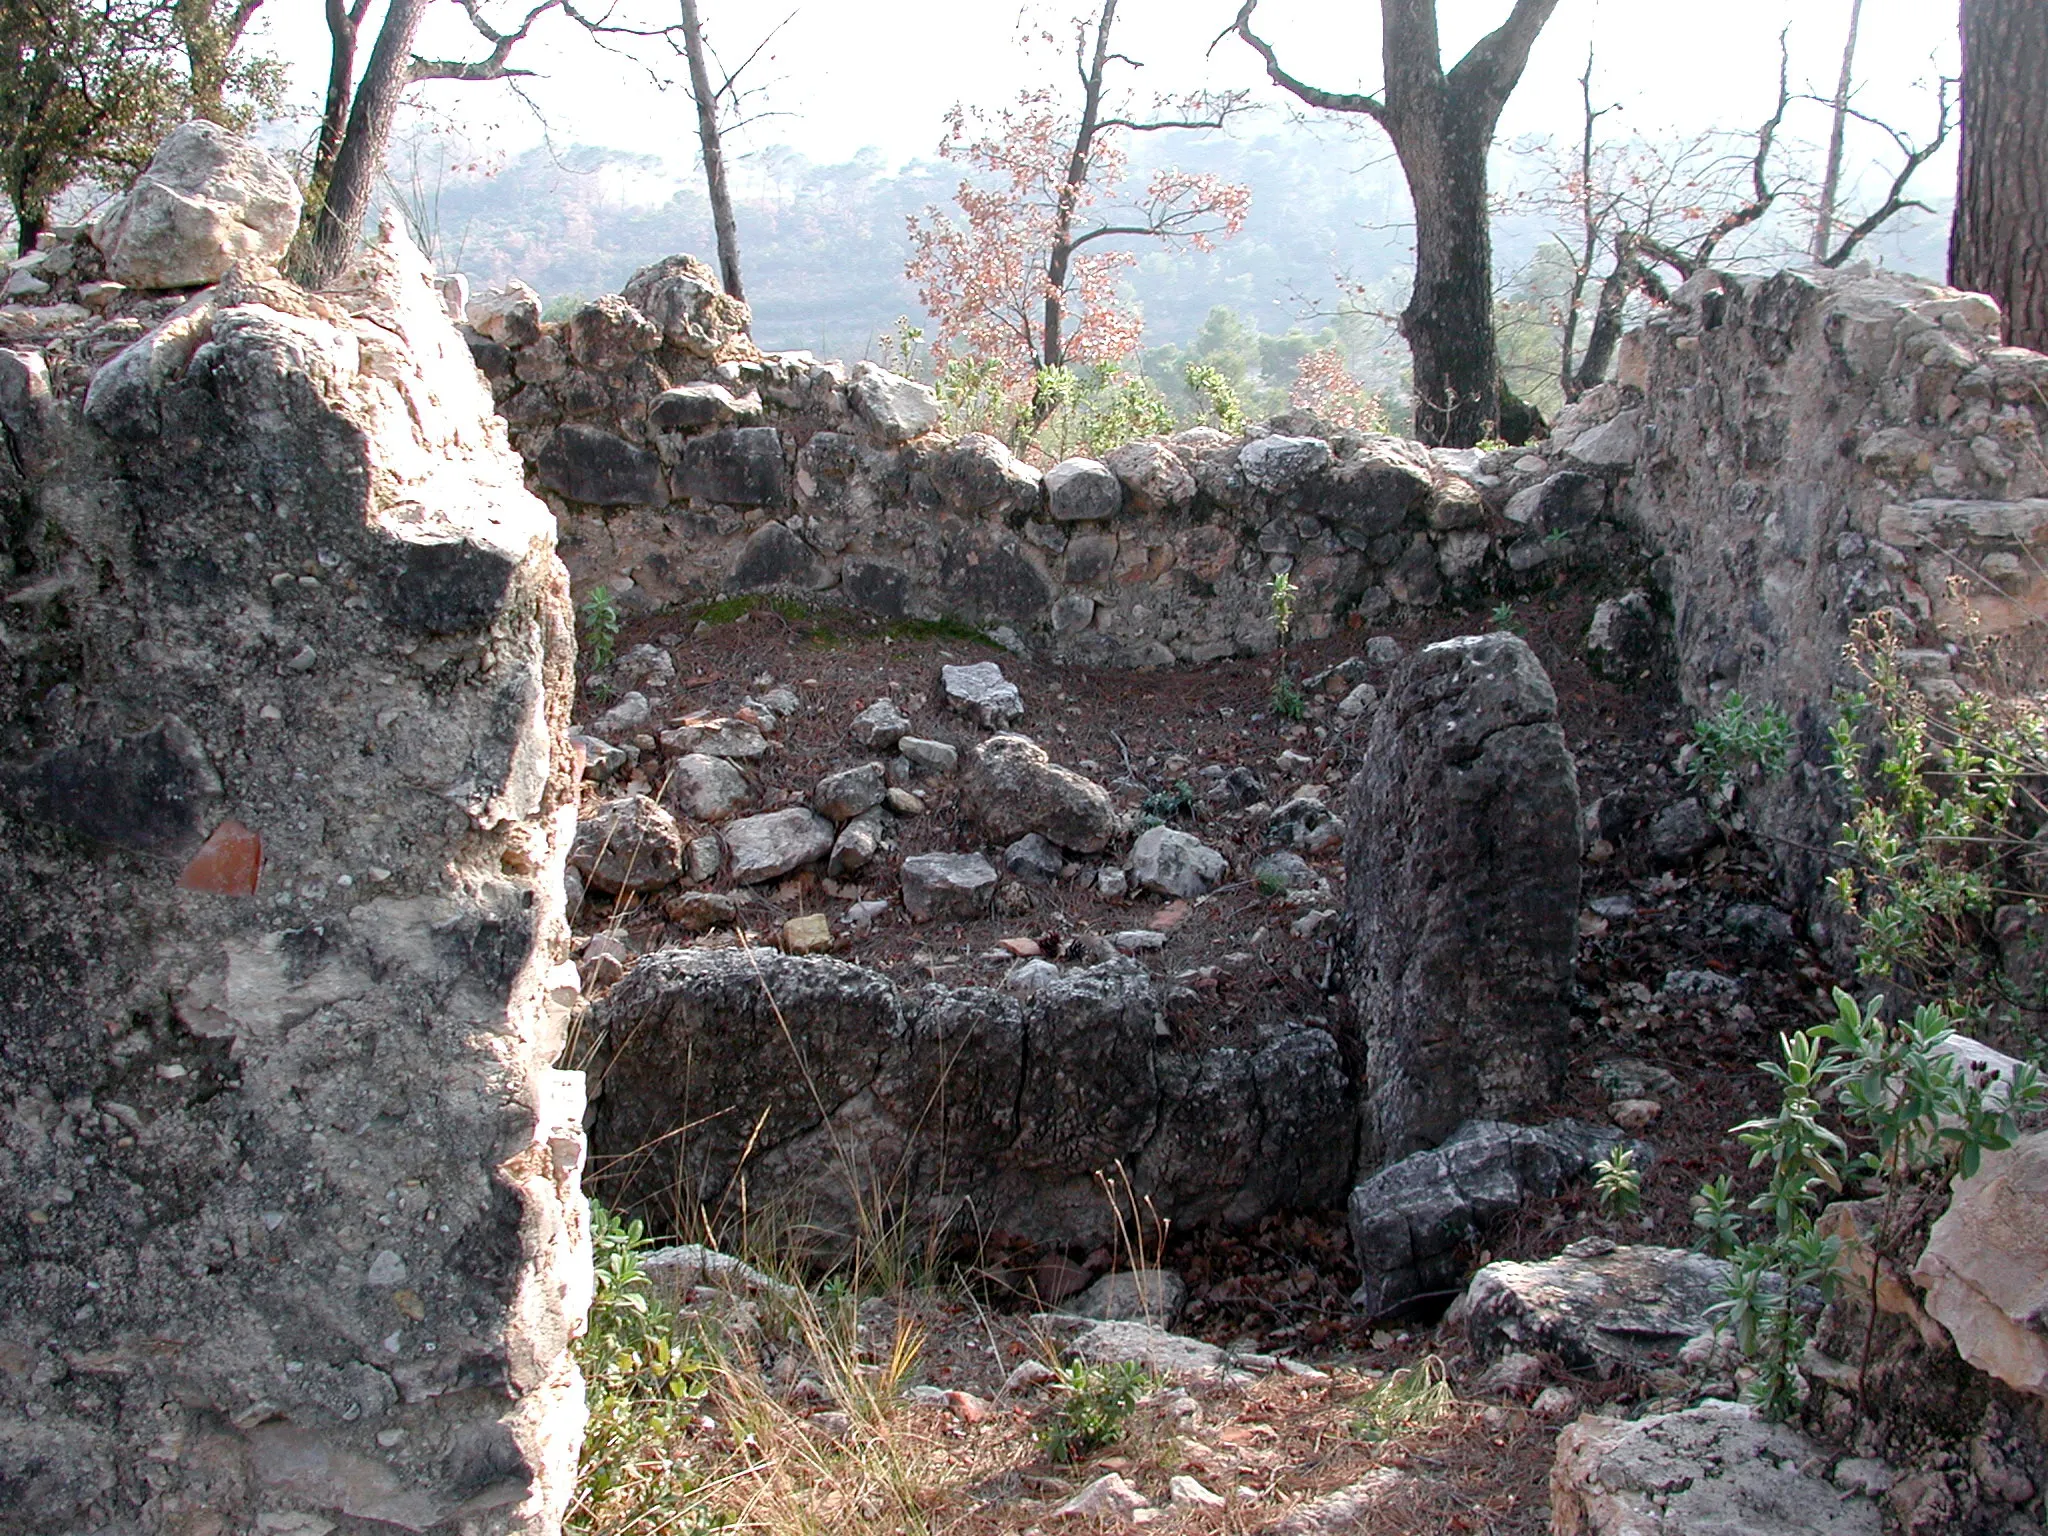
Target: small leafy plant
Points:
(599, 618)
(1618, 1183)
(1739, 739)
(1164, 805)
(1096, 1402)
(1207, 383)
(1281, 595)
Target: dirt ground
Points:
(1283, 1286)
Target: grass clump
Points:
(1097, 1402)
(1416, 1397)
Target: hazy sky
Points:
(880, 73)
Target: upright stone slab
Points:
(1462, 861)
(291, 1237)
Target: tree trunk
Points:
(1996, 245)
(1448, 323)
(1052, 347)
(343, 25)
(1831, 178)
(1605, 334)
(361, 155)
(722, 221)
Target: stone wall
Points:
(685, 465)
(291, 1237)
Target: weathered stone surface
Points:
(951, 885)
(1380, 487)
(860, 842)
(509, 316)
(705, 788)
(1276, 465)
(1082, 491)
(589, 465)
(207, 200)
(896, 409)
(1625, 643)
(628, 844)
(682, 296)
(845, 794)
(1153, 476)
(981, 692)
(1410, 1219)
(714, 736)
(1985, 1267)
(1462, 861)
(769, 846)
(289, 1169)
(880, 726)
(1172, 1357)
(1010, 787)
(607, 334)
(1680, 830)
(1380, 1493)
(735, 467)
(1713, 1470)
(1175, 863)
(931, 756)
(1597, 1307)
(1152, 1296)
(1034, 858)
(704, 404)
(979, 475)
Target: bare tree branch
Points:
(1315, 96)
(494, 65)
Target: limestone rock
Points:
(1411, 1219)
(860, 842)
(628, 844)
(608, 333)
(981, 692)
(1171, 1357)
(715, 736)
(734, 467)
(682, 296)
(775, 556)
(1597, 1307)
(810, 934)
(1712, 1470)
(1462, 862)
(1011, 787)
(1175, 863)
(931, 756)
(207, 200)
(509, 316)
(1614, 444)
(1153, 476)
(1033, 858)
(1278, 464)
(705, 788)
(1681, 830)
(768, 847)
(1371, 1499)
(949, 885)
(1082, 491)
(844, 795)
(1624, 643)
(1985, 1267)
(1150, 1296)
(1109, 1500)
(896, 409)
(978, 475)
(688, 407)
(880, 726)
(590, 465)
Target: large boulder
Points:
(599, 468)
(1713, 1470)
(207, 200)
(1598, 1307)
(1985, 1266)
(1462, 862)
(1011, 787)
(1412, 1219)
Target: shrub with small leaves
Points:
(600, 624)
(1618, 1183)
(1095, 1403)
(1736, 740)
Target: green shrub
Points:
(1618, 1183)
(1736, 740)
(599, 618)
(1097, 1402)
(1209, 385)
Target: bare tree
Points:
(1442, 125)
(1996, 244)
(1831, 178)
(723, 225)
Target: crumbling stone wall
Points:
(685, 464)
(291, 1237)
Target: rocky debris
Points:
(1011, 787)
(1627, 1077)
(1625, 643)
(1109, 1500)
(981, 692)
(1348, 1509)
(1596, 1307)
(896, 409)
(880, 726)
(207, 200)
(700, 911)
(608, 333)
(1985, 1267)
(628, 845)
(1185, 1492)
(947, 885)
(705, 788)
(1171, 1357)
(1137, 941)
(1410, 1220)
(1680, 831)
(1153, 476)
(1713, 1470)
(1285, 872)
(810, 934)
(1359, 702)
(1463, 893)
(1033, 858)
(846, 794)
(715, 737)
(769, 846)
(631, 713)
(860, 842)
(679, 1273)
(1082, 491)
(703, 858)
(509, 316)
(1175, 863)
(902, 801)
(930, 756)
(1153, 1296)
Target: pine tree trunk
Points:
(1448, 323)
(361, 155)
(722, 222)
(1999, 242)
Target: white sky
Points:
(849, 74)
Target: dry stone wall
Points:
(685, 464)
(291, 1236)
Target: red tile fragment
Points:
(229, 863)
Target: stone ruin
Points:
(294, 1233)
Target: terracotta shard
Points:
(229, 863)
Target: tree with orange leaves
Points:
(1027, 275)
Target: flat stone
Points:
(880, 726)
(598, 468)
(947, 885)
(844, 795)
(701, 910)
(1599, 1308)
(1174, 863)
(1276, 465)
(1109, 1500)
(1985, 1266)
(715, 737)
(770, 846)
(931, 756)
(1152, 1296)
(1169, 1356)
(981, 692)
(807, 935)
